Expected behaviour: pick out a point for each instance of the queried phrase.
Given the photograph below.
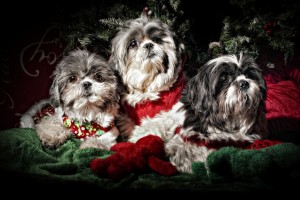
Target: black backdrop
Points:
(26, 66)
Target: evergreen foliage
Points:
(251, 28)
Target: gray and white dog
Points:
(84, 93)
(149, 57)
(224, 102)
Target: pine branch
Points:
(112, 22)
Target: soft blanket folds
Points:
(25, 161)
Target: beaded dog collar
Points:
(87, 129)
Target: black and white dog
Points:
(224, 102)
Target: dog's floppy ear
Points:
(54, 90)
(115, 61)
(197, 100)
(196, 92)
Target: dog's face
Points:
(84, 86)
(147, 54)
(226, 96)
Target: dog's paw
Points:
(53, 142)
(52, 138)
(90, 142)
(134, 139)
(137, 134)
(95, 142)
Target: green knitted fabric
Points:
(25, 160)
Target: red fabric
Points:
(217, 144)
(146, 154)
(49, 110)
(283, 99)
(151, 108)
(259, 144)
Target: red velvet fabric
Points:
(283, 99)
(217, 144)
(144, 155)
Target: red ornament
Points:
(269, 27)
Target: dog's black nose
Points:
(243, 84)
(87, 85)
(148, 46)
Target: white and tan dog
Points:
(224, 103)
(84, 94)
(149, 58)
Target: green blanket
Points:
(25, 161)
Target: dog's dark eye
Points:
(252, 76)
(157, 40)
(133, 44)
(98, 77)
(73, 79)
(224, 78)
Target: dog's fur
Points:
(225, 101)
(149, 58)
(84, 88)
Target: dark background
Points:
(25, 23)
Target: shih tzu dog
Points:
(223, 104)
(149, 58)
(84, 95)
